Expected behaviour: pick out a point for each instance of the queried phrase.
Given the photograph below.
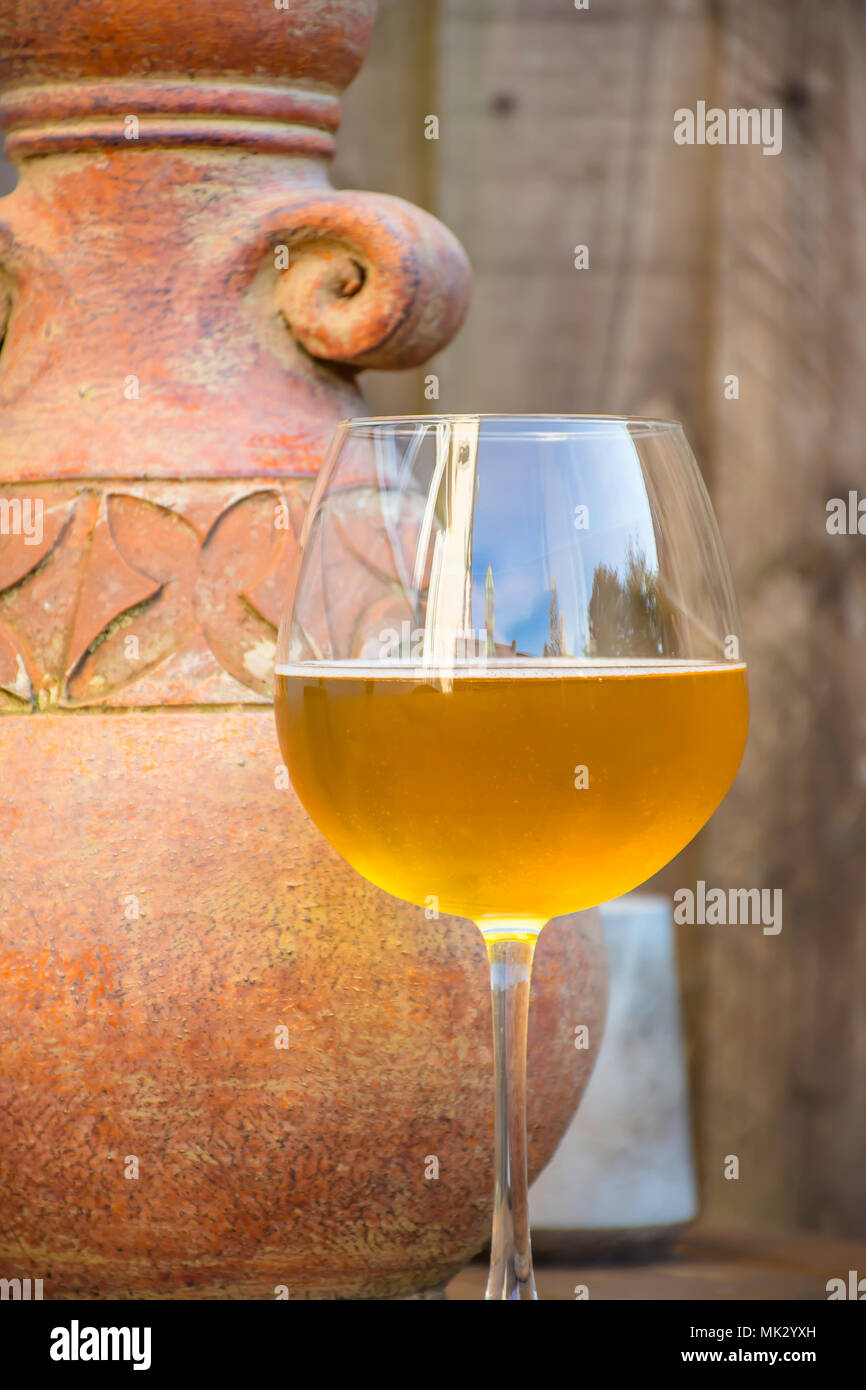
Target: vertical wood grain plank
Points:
(785, 1027)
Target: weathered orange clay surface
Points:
(168, 909)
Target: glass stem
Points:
(510, 957)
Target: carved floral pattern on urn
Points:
(146, 594)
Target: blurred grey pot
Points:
(622, 1184)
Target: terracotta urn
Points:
(225, 1059)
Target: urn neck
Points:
(131, 113)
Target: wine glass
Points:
(528, 698)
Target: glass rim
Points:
(641, 424)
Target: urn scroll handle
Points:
(368, 280)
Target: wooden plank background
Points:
(556, 129)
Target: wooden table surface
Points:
(706, 1263)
